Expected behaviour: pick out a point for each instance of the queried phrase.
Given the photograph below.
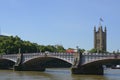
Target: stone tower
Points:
(100, 39)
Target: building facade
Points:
(100, 39)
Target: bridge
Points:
(92, 63)
(36, 61)
(80, 63)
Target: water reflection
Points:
(56, 74)
(88, 77)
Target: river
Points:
(57, 74)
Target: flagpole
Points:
(100, 22)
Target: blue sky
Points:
(66, 22)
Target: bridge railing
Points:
(90, 57)
(66, 56)
(12, 57)
(69, 57)
(28, 56)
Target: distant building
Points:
(100, 40)
(71, 51)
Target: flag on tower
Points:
(101, 19)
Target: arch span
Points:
(47, 62)
(40, 63)
(103, 62)
(94, 67)
(6, 63)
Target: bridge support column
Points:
(17, 68)
(91, 70)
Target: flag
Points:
(101, 19)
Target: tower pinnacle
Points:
(94, 28)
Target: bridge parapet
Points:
(90, 57)
(12, 57)
(69, 57)
(28, 56)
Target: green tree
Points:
(82, 50)
(59, 48)
(93, 50)
(11, 45)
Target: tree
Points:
(93, 50)
(11, 45)
(82, 50)
(59, 48)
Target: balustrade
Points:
(86, 57)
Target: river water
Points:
(57, 74)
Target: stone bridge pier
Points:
(91, 70)
(19, 66)
(92, 63)
(80, 68)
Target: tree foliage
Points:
(11, 45)
(97, 51)
(93, 50)
(82, 50)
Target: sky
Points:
(65, 22)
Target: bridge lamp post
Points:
(19, 50)
(78, 57)
(40, 51)
(46, 53)
(78, 50)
